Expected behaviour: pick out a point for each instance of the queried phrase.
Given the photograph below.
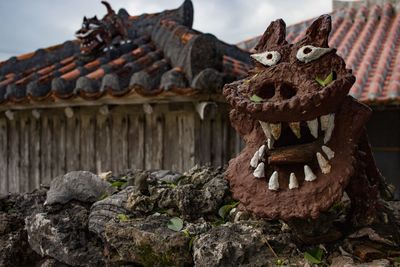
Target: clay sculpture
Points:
(305, 137)
(97, 35)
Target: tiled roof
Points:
(165, 56)
(369, 41)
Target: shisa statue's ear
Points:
(274, 36)
(318, 33)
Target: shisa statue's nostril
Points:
(287, 90)
(266, 91)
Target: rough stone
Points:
(107, 209)
(232, 245)
(14, 246)
(51, 263)
(77, 185)
(64, 236)
(148, 242)
(201, 191)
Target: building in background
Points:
(153, 102)
(367, 35)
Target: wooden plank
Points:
(119, 134)
(216, 145)
(103, 143)
(34, 154)
(24, 175)
(87, 151)
(58, 145)
(172, 159)
(136, 141)
(154, 141)
(3, 156)
(46, 147)
(187, 140)
(73, 143)
(14, 160)
(205, 141)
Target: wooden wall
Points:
(33, 150)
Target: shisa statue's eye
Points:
(309, 53)
(267, 58)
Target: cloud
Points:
(26, 26)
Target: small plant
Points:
(314, 256)
(281, 262)
(103, 196)
(175, 224)
(123, 217)
(224, 210)
(118, 184)
(186, 233)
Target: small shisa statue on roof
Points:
(98, 35)
(306, 142)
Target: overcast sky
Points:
(27, 25)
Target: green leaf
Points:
(314, 256)
(123, 217)
(224, 210)
(321, 82)
(256, 98)
(175, 224)
(117, 184)
(328, 79)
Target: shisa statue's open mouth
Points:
(301, 128)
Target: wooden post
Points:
(3, 155)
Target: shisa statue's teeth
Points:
(258, 155)
(270, 143)
(273, 183)
(259, 171)
(327, 125)
(328, 152)
(98, 37)
(295, 126)
(266, 128)
(254, 160)
(324, 122)
(293, 181)
(309, 176)
(275, 130)
(313, 126)
(323, 164)
(261, 151)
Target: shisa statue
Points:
(306, 142)
(98, 35)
